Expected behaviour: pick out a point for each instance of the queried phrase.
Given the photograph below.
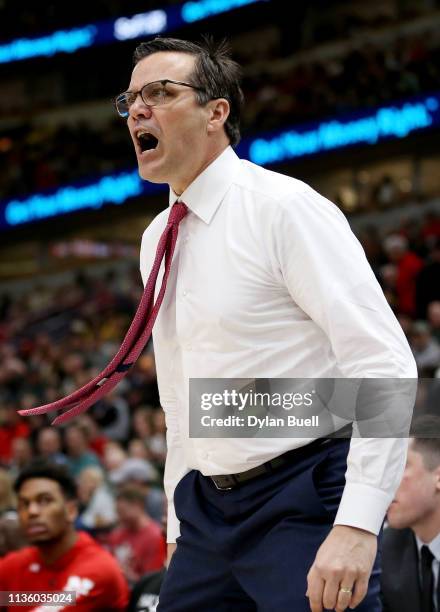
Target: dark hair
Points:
(132, 495)
(214, 72)
(52, 471)
(425, 431)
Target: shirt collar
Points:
(433, 545)
(205, 194)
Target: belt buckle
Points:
(219, 487)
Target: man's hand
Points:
(170, 550)
(344, 560)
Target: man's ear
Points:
(218, 113)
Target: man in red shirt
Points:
(138, 542)
(59, 558)
(11, 427)
(408, 266)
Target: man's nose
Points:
(34, 509)
(139, 108)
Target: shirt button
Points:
(184, 293)
(186, 239)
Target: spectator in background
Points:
(49, 445)
(143, 380)
(96, 439)
(142, 422)
(408, 267)
(434, 318)
(372, 244)
(386, 192)
(59, 557)
(11, 537)
(425, 348)
(428, 281)
(406, 324)
(113, 459)
(411, 545)
(98, 505)
(142, 426)
(138, 542)
(145, 593)
(112, 416)
(430, 230)
(157, 442)
(388, 277)
(13, 368)
(149, 426)
(11, 426)
(7, 497)
(22, 453)
(142, 475)
(137, 449)
(79, 453)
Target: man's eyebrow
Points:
(37, 496)
(170, 82)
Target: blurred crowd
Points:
(368, 75)
(51, 342)
(39, 158)
(36, 155)
(407, 264)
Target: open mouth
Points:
(147, 142)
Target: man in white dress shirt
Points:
(267, 281)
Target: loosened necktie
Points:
(135, 339)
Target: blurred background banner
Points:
(156, 21)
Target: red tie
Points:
(136, 337)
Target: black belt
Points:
(226, 482)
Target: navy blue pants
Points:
(250, 549)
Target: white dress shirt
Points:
(434, 547)
(269, 281)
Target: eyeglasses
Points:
(155, 93)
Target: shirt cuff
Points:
(363, 506)
(173, 525)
